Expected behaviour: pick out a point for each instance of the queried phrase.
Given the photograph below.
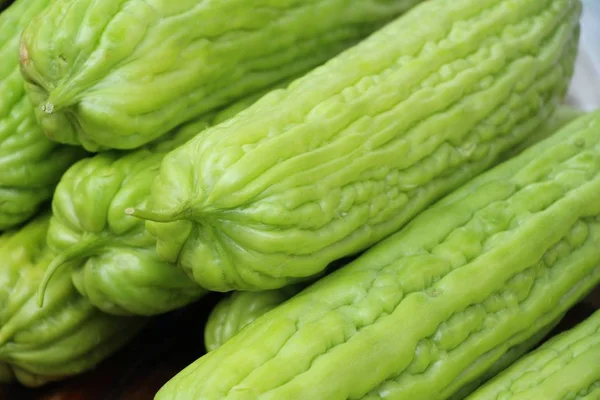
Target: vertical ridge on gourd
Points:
(65, 337)
(482, 270)
(353, 150)
(95, 83)
(112, 256)
(566, 366)
(30, 164)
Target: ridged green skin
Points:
(561, 117)
(507, 359)
(30, 164)
(565, 367)
(117, 267)
(68, 335)
(430, 309)
(349, 153)
(121, 73)
(239, 310)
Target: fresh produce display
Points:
(400, 198)
(353, 150)
(235, 312)
(430, 309)
(30, 164)
(565, 367)
(142, 68)
(68, 335)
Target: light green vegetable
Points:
(238, 310)
(30, 164)
(350, 152)
(432, 308)
(116, 265)
(67, 336)
(121, 73)
(565, 367)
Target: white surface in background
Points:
(584, 92)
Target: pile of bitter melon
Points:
(391, 189)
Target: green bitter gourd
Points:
(121, 73)
(565, 367)
(66, 337)
(353, 150)
(430, 309)
(30, 164)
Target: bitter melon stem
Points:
(151, 215)
(79, 250)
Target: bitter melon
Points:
(353, 150)
(30, 164)
(117, 267)
(238, 310)
(431, 308)
(121, 73)
(565, 367)
(68, 335)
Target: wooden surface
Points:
(166, 346)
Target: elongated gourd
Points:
(430, 309)
(113, 257)
(121, 73)
(240, 309)
(67, 336)
(353, 150)
(565, 367)
(30, 164)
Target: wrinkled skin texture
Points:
(349, 153)
(30, 164)
(239, 310)
(565, 367)
(67, 336)
(96, 82)
(116, 265)
(430, 309)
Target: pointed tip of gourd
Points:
(150, 215)
(74, 252)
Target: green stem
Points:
(151, 215)
(79, 250)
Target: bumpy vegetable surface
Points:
(30, 164)
(117, 267)
(507, 359)
(68, 335)
(561, 117)
(141, 68)
(565, 367)
(434, 306)
(349, 153)
(238, 310)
